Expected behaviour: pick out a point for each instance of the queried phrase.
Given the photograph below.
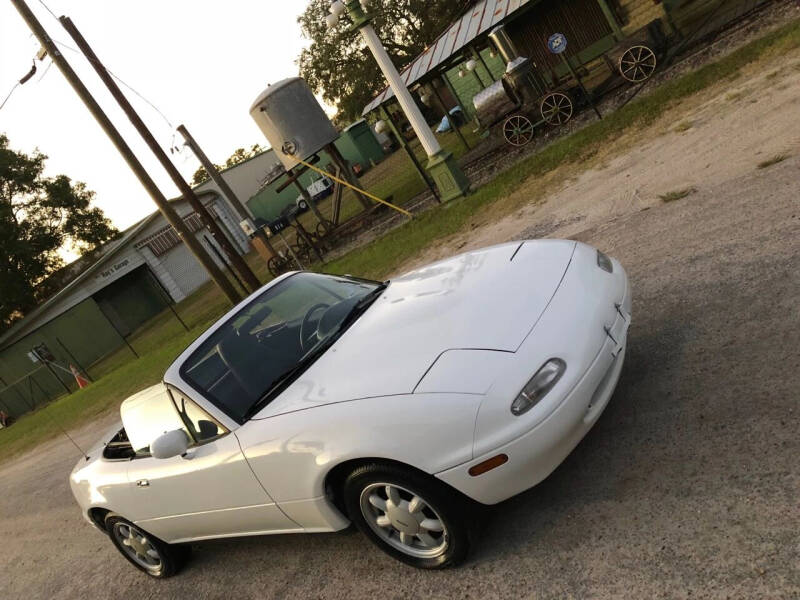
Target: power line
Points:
(16, 85)
(119, 79)
(47, 8)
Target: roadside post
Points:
(557, 44)
(276, 227)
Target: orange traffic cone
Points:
(82, 383)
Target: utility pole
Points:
(144, 178)
(186, 190)
(223, 186)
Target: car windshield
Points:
(272, 340)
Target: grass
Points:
(683, 126)
(395, 177)
(163, 339)
(677, 195)
(778, 158)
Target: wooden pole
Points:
(186, 190)
(223, 186)
(347, 173)
(126, 152)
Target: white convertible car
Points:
(323, 400)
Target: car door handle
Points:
(143, 483)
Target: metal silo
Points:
(292, 121)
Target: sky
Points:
(200, 62)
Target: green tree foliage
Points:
(338, 65)
(239, 155)
(38, 216)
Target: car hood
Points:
(489, 299)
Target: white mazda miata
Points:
(324, 400)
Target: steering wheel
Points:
(306, 320)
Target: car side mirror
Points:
(169, 444)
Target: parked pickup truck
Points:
(320, 189)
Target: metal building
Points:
(132, 280)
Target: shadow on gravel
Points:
(603, 467)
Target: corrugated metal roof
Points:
(479, 18)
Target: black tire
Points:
(452, 509)
(170, 560)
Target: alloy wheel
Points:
(136, 545)
(404, 520)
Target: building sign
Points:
(557, 43)
(114, 268)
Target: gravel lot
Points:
(687, 487)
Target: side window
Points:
(203, 427)
(149, 418)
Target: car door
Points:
(209, 492)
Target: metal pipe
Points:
(505, 46)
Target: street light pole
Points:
(447, 175)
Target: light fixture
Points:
(380, 126)
(426, 98)
(472, 64)
(492, 52)
(462, 73)
(337, 8)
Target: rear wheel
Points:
(410, 516)
(144, 551)
(637, 63)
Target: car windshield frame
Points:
(307, 360)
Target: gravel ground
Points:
(687, 487)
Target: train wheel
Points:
(557, 108)
(276, 265)
(518, 130)
(322, 230)
(637, 63)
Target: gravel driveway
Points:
(687, 486)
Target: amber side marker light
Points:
(488, 465)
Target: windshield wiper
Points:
(361, 306)
(286, 378)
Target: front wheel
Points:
(144, 551)
(410, 516)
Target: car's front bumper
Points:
(567, 413)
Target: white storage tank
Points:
(292, 121)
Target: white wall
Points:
(245, 179)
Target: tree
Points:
(338, 65)
(239, 156)
(38, 216)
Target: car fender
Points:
(291, 454)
